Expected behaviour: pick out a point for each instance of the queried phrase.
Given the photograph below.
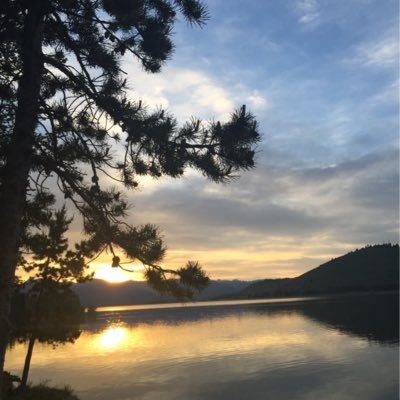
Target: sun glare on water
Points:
(112, 337)
(118, 337)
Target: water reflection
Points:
(246, 352)
(112, 337)
(373, 317)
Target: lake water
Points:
(338, 348)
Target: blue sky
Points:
(322, 78)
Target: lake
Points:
(322, 348)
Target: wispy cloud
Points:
(383, 52)
(327, 174)
(388, 95)
(188, 92)
(257, 101)
(307, 11)
(274, 219)
(185, 92)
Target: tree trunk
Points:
(14, 176)
(28, 358)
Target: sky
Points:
(322, 78)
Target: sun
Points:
(115, 275)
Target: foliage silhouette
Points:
(41, 392)
(64, 112)
(46, 309)
(54, 318)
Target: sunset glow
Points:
(199, 199)
(312, 196)
(116, 275)
(279, 261)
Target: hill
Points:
(101, 293)
(371, 268)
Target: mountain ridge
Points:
(97, 293)
(371, 268)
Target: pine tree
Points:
(51, 310)
(64, 108)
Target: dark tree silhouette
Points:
(49, 311)
(53, 317)
(64, 109)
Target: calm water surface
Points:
(342, 348)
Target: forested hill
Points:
(371, 268)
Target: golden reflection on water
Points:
(112, 337)
(211, 338)
(117, 336)
(230, 348)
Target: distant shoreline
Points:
(329, 294)
(236, 301)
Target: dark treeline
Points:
(372, 268)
